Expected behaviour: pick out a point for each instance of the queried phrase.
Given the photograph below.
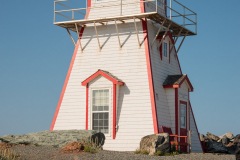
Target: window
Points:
(165, 49)
(100, 110)
(183, 113)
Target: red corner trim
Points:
(89, 4)
(169, 54)
(104, 74)
(87, 95)
(149, 70)
(114, 110)
(176, 111)
(195, 124)
(65, 83)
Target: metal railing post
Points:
(184, 16)
(72, 14)
(54, 14)
(121, 8)
(156, 6)
(170, 12)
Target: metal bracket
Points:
(175, 40)
(78, 37)
(137, 33)
(159, 30)
(181, 43)
(119, 41)
(70, 35)
(165, 33)
(100, 47)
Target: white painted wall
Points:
(196, 144)
(161, 69)
(134, 114)
(112, 8)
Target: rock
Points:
(237, 153)
(50, 138)
(216, 147)
(202, 137)
(229, 135)
(155, 142)
(98, 139)
(225, 140)
(212, 136)
(236, 139)
(73, 147)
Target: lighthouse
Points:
(124, 78)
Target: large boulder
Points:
(155, 142)
(216, 147)
(237, 154)
(55, 138)
(237, 139)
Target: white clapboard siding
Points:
(196, 144)
(170, 93)
(161, 69)
(134, 115)
(113, 8)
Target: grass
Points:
(6, 154)
(138, 151)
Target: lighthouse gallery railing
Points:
(65, 11)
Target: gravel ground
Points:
(51, 153)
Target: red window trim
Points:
(104, 74)
(176, 111)
(115, 82)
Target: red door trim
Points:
(176, 111)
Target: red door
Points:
(183, 125)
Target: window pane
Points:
(100, 108)
(94, 108)
(183, 112)
(101, 122)
(100, 115)
(105, 108)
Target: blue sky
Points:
(35, 55)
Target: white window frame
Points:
(183, 106)
(109, 109)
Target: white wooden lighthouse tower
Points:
(124, 78)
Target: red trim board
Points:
(87, 95)
(149, 70)
(104, 74)
(114, 110)
(176, 111)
